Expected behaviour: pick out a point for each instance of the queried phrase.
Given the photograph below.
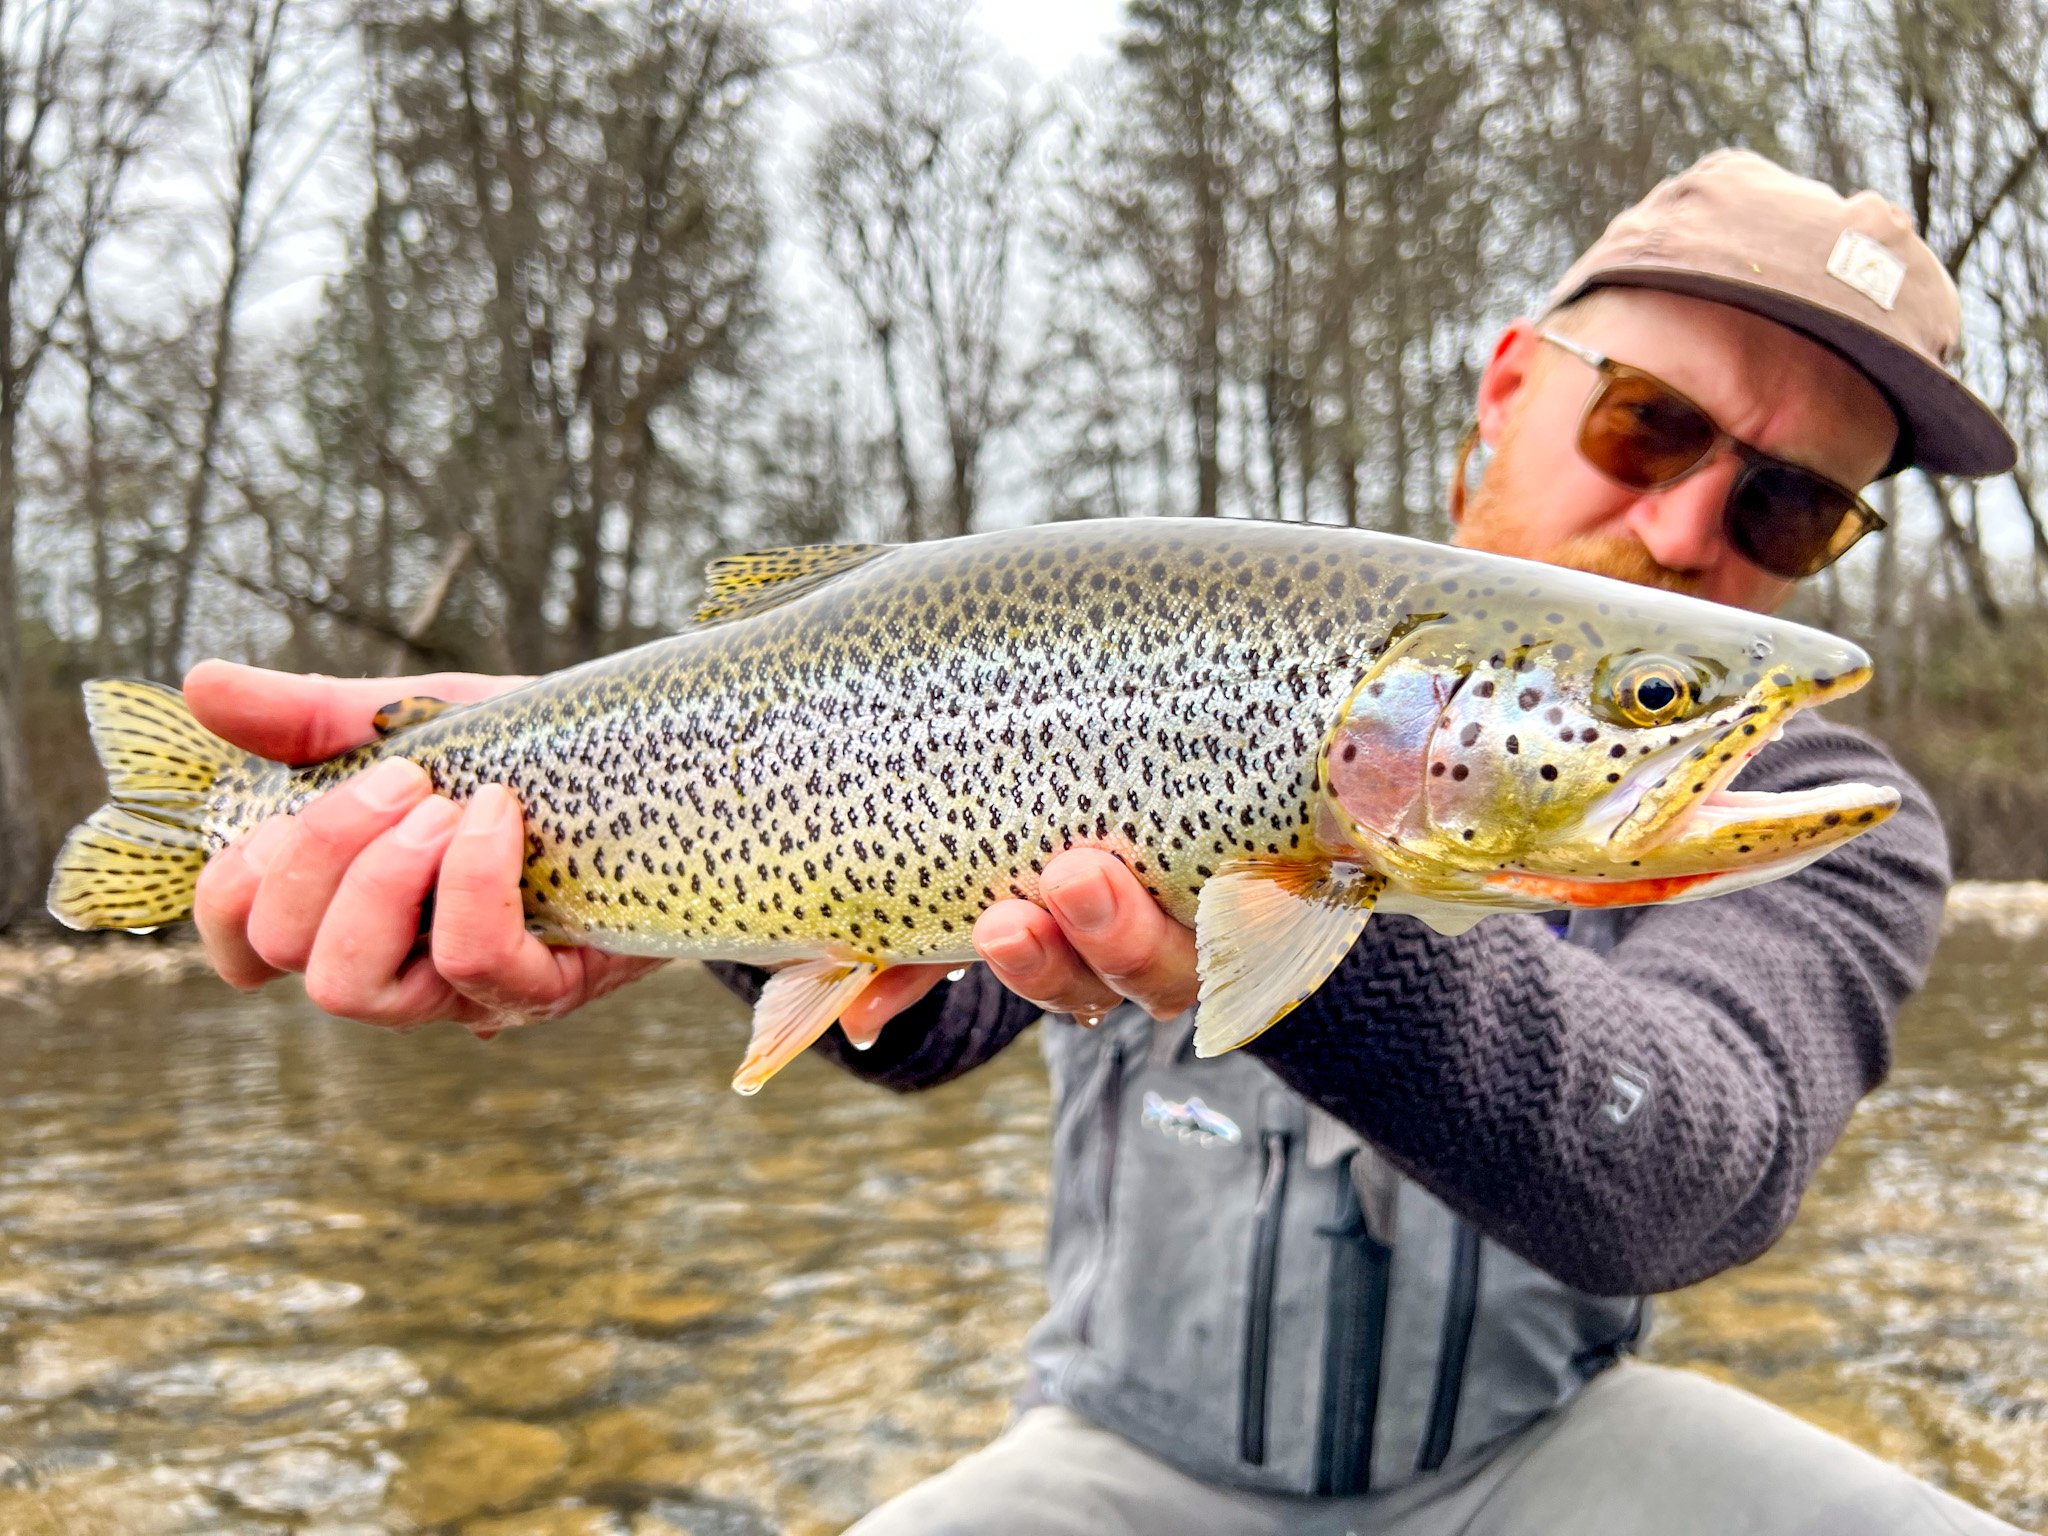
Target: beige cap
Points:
(1847, 271)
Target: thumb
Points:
(298, 718)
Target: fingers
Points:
(290, 904)
(887, 995)
(299, 719)
(1029, 954)
(227, 890)
(1119, 932)
(363, 963)
(1101, 938)
(480, 940)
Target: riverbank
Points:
(32, 963)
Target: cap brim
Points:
(1943, 427)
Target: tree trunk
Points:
(1205, 401)
(899, 435)
(93, 495)
(1344, 295)
(21, 850)
(221, 359)
(1969, 554)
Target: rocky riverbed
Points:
(266, 1272)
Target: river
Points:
(263, 1272)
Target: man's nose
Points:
(1682, 526)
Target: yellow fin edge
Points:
(739, 586)
(135, 861)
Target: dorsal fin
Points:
(737, 586)
(407, 713)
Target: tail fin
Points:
(135, 862)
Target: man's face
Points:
(1766, 385)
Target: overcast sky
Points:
(1051, 34)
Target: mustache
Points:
(1623, 558)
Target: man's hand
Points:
(1100, 938)
(336, 891)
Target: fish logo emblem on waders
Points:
(1190, 1121)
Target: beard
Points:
(1492, 523)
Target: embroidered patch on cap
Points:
(1867, 267)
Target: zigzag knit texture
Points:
(1743, 1029)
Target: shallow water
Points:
(261, 1271)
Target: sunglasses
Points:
(1641, 433)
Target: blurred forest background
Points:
(379, 335)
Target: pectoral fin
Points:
(1267, 934)
(798, 1005)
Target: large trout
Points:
(1279, 728)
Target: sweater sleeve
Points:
(949, 1031)
(1636, 1121)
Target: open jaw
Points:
(1675, 831)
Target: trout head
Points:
(1586, 761)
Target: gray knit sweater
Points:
(1479, 1065)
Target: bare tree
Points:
(77, 97)
(920, 184)
(574, 190)
(262, 78)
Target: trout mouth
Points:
(1678, 800)
(1674, 830)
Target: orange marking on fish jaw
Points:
(1598, 893)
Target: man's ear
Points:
(1511, 368)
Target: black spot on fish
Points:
(1550, 771)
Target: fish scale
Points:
(861, 748)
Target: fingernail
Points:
(1085, 902)
(489, 809)
(261, 848)
(392, 784)
(1014, 951)
(427, 823)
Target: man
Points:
(1384, 1276)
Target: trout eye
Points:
(1651, 691)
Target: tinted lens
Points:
(1789, 522)
(1637, 432)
